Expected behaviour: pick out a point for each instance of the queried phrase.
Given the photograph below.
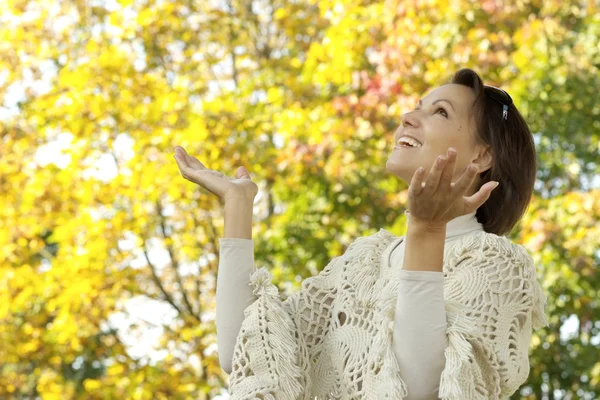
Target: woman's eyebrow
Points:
(437, 101)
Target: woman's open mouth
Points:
(407, 142)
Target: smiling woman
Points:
(446, 311)
(485, 128)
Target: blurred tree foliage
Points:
(305, 94)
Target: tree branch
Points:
(198, 281)
(212, 237)
(175, 264)
(232, 44)
(156, 279)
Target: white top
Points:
(334, 338)
(420, 325)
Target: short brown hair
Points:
(514, 159)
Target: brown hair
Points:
(514, 159)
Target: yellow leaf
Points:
(172, 119)
(116, 369)
(91, 384)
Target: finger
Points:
(416, 183)
(181, 160)
(189, 160)
(206, 178)
(483, 194)
(466, 180)
(184, 168)
(186, 164)
(193, 161)
(448, 171)
(433, 178)
(242, 172)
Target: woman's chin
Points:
(399, 170)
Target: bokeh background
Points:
(108, 257)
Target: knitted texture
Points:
(333, 338)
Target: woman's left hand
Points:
(437, 200)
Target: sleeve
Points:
(234, 293)
(493, 303)
(420, 332)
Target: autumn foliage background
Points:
(108, 257)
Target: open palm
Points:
(436, 200)
(217, 183)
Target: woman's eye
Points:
(438, 109)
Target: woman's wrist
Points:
(238, 218)
(419, 227)
(424, 249)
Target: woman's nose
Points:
(409, 119)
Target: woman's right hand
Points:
(222, 186)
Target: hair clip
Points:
(501, 96)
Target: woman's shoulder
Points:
(476, 247)
(377, 242)
(487, 254)
(501, 263)
(484, 244)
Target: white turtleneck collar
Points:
(463, 225)
(458, 227)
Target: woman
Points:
(445, 311)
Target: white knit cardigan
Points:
(333, 338)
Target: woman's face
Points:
(440, 120)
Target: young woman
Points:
(446, 311)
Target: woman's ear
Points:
(484, 158)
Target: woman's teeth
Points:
(408, 142)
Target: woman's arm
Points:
(234, 294)
(420, 318)
(236, 264)
(420, 332)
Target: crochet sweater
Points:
(419, 336)
(333, 339)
